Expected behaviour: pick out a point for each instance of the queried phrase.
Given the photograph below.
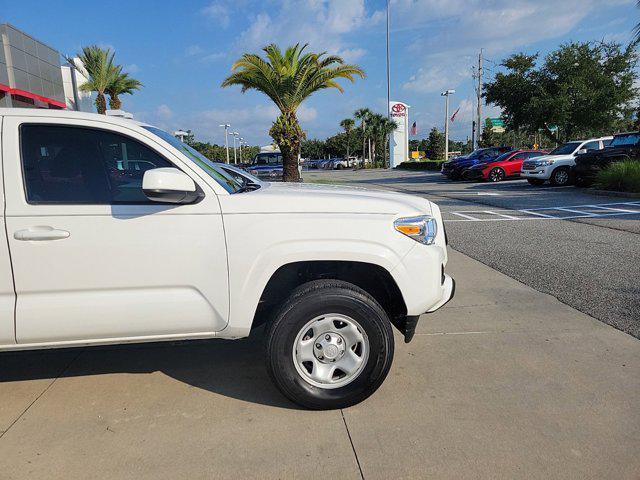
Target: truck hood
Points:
(313, 198)
(554, 157)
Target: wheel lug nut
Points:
(327, 337)
(318, 346)
(320, 357)
(339, 340)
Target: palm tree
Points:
(363, 114)
(387, 128)
(98, 67)
(121, 84)
(288, 79)
(347, 124)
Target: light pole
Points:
(388, 63)
(241, 142)
(446, 94)
(235, 136)
(226, 140)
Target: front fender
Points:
(253, 259)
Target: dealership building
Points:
(31, 75)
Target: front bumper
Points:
(408, 324)
(474, 174)
(543, 173)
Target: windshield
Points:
(625, 140)
(268, 159)
(227, 182)
(565, 149)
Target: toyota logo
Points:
(398, 108)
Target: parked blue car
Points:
(454, 168)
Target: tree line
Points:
(580, 90)
(366, 136)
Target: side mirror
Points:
(581, 151)
(169, 185)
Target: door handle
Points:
(41, 233)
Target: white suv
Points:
(556, 166)
(116, 232)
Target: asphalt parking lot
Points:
(567, 242)
(514, 378)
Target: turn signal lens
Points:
(422, 229)
(409, 229)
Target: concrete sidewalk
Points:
(503, 382)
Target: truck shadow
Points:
(231, 368)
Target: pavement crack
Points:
(353, 448)
(62, 372)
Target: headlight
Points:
(422, 229)
(253, 172)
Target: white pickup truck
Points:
(557, 165)
(116, 232)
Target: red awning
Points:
(33, 96)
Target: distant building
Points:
(30, 74)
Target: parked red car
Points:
(505, 166)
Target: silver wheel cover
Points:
(330, 351)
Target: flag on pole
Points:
(453, 117)
(414, 129)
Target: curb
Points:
(612, 193)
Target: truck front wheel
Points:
(330, 345)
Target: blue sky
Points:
(181, 51)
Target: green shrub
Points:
(421, 165)
(620, 176)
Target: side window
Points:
(534, 154)
(607, 142)
(77, 165)
(591, 146)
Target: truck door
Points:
(7, 293)
(94, 259)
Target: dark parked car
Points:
(454, 168)
(624, 146)
(505, 166)
(267, 166)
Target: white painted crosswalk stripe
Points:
(547, 213)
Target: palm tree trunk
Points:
(364, 143)
(101, 103)
(114, 102)
(288, 135)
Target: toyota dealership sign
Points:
(399, 142)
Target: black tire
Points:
(339, 166)
(535, 181)
(560, 177)
(497, 175)
(315, 299)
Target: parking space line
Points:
(537, 213)
(500, 215)
(615, 209)
(465, 216)
(608, 210)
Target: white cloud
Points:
(132, 68)
(192, 50)
(324, 25)
(219, 12)
(213, 57)
(163, 112)
(439, 77)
